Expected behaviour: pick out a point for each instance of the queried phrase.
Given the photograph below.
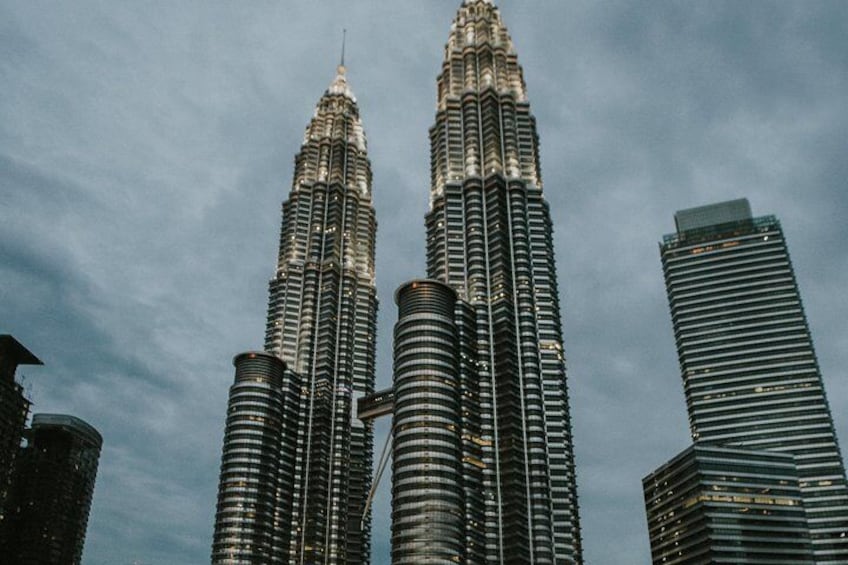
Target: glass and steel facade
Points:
(749, 369)
(256, 482)
(489, 237)
(322, 324)
(727, 505)
(52, 492)
(437, 507)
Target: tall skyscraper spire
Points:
(322, 323)
(489, 238)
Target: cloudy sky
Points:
(145, 149)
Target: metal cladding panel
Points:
(252, 478)
(322, 317)
(489, 238)
(428, 499)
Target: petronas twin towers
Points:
(483, 465)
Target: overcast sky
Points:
(145, 148)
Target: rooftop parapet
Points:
(70, 424)
(712, 214)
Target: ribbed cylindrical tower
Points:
(428, 506)
(249, 493)
(322, 317)
(489, 236)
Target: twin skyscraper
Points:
(481, 444)
(483, 466)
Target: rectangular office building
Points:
(725, 505)
(749, 369)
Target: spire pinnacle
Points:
(340, 83)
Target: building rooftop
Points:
(724, 219)
(71, 424)
(712, 215)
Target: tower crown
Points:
(479, 29)
(336, 118)
(481, 85)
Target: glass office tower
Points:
(749, 369)
(489, 237)
(727, 505)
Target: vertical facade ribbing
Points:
(489, 238)
(749, 369)
(322, 323)
(473, 443)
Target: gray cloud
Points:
(145, 149)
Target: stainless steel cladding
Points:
(489, 236)
(322, 318)
(250, 494)
(428, 502)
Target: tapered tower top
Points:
(481, 83)
(478, 26)
(323, 124)
(473, 13)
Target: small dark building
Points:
(14, 408)
(52, 491)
